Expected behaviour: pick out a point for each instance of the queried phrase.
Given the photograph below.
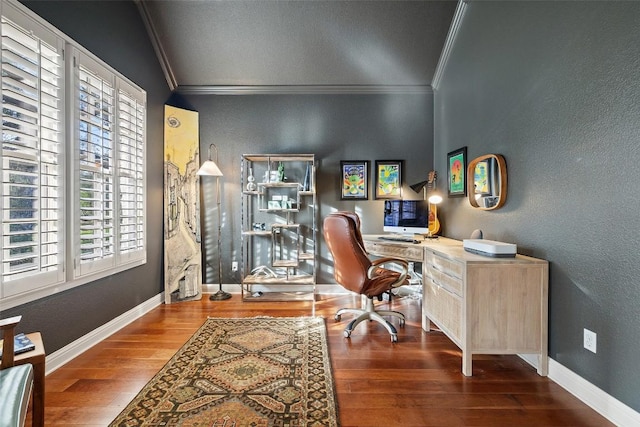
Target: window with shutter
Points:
(72, 163)
(32, 136)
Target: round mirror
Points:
(487, 182)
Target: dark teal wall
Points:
(334, 128)
(554, 87)
(123, 44)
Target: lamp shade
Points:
(434, 195)
(209, 168)
(417, 187)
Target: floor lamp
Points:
(210, 168)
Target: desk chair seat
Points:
(356, 272)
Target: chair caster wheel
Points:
(394, 338)
(402, 323)
(337, 317)
(347, 334)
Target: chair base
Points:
(371, 314)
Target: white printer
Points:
(490, 248)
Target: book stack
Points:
(21, 344)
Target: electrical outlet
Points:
(590, 340)
(234, 266)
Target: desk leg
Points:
(38, 395)
(543, 365)
(467, 369)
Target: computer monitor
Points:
(406, 216)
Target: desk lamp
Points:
(435, 198)
(210, 168)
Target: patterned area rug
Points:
(257, 372)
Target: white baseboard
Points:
(600, 401)
(603, 403)
(82, 344)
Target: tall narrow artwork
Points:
(182, 251)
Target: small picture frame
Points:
(388, 179)
(457, 172)
(354, 180)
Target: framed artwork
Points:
(481, 174)
(388, 179)
(457, 172)
(355, 179)
(182, 258)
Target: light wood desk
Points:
(484, 305)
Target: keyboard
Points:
(398, 239)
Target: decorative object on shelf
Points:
(182, 258)
(434, 199)
(210, 168)
(388, 179)
(457, 172)
(306, 184)
(280, 172)
(488, 189)
(274, 204)
(251, 181)
(264, 271)
(354, 179)
(259, 226)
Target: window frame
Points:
(70, 274)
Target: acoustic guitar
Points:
(434, 224)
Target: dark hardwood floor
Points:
(416, 382)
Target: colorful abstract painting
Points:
(457, 169)
(355, 180)
(388, 179)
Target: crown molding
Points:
(157, 45)
(456, 22)
(304, 90)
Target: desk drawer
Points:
(408, 251)
(443, 308)
(452, 284)
(445, 265)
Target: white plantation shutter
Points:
(110, 166)
(32, 247)
(95, 107)
(131, 176)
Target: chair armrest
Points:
(10, 322)
(8, 327)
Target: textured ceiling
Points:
(299, 43)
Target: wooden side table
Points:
(37, 359)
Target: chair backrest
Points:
(354, 216)
(8, 327)
(350, 261)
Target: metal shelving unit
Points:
(279, 229)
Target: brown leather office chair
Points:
(356, 272)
